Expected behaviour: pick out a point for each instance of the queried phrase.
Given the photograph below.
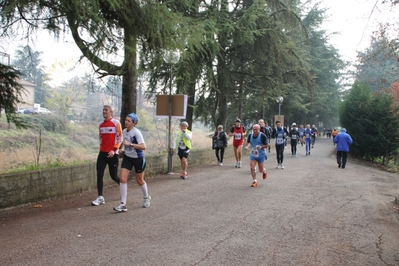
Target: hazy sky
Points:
(354, 20)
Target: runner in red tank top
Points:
(238, 134)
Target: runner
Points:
(110, 135)
(279, 133)
(343, 140)
(315, 131)
(294, 135)
(334, 134)
(308, 138)
(238, 133)
(133, 156)
(269, 129)
(257, 141)
(183, 145)
(219, 144)
(301, 130)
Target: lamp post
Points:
(170, 57)
(279, 100)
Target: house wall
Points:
(28, 96)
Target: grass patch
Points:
(63, 143)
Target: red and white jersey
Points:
(110, 134)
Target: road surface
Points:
(310, 213)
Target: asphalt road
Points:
(310, 213)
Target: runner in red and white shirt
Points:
(110, 135)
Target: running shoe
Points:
(282, 166)
(220, 164)
(99, 200)
(239, 164)
(147, 202)
(264, 173)
(183, 176)
(120, 208)
(254, 184)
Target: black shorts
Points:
(138, 163)
(183, 153)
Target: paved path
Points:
(311, 213)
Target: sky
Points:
(352, 20)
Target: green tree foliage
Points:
(68, 98)
(246, 59)
(372, 120)
(10, 94)
(104, 30)
(379, 65)
(28, 63)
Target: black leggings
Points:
(293, 146)
(102, 162)
(220, 158)
(280, 153)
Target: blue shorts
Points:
(259, 159)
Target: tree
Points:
(372, 120)
(28, 63)
(103, 30)
(246, 57)
(10, 94)
(72, 93)
(377, 65)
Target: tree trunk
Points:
(190, 103)
(129, 83)
(223, 91)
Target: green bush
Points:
(373, 122)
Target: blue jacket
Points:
(343, 140)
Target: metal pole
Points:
(170, 150)
(279, 108)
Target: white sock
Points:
(144, 189)
(255, 180)
(123, 190)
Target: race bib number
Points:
(181, 143)
(307, 135)
(254, 152)
(293, 137)
(237, 136)
(280, 141)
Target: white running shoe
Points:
(120, 208)
(220, 164)
(282, 166)
(99, 200)
(147, 202)
(239, 164)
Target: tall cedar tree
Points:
(103, 30)
(10, 94)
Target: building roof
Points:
(25, 83)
